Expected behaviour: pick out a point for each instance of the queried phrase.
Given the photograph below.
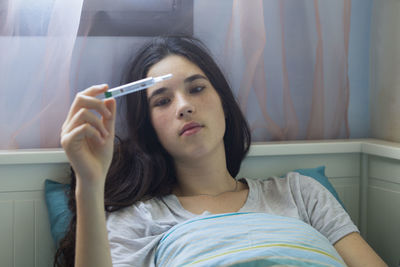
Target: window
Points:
(106, 18)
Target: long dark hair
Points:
(141, 168)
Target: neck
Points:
(207, 175)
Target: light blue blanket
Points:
(245, 239)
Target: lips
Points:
(190, 127)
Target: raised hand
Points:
(88, 139)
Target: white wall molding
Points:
(366, 146)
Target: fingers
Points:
(82, 123)
(109, 123)
(84, 116)
(86, 99)
(95, 90)
(74, 138)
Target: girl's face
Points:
(186, 111)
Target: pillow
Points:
(57, 207)
(319, 175)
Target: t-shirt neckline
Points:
(174, 204)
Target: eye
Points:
(162, 102)
(196, 89)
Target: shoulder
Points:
(292, 181)
(309, 190)
(292, 191)
(309, 187)
(305, 198)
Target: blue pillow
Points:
(319, 175)
(57, 207)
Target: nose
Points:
(184, 107)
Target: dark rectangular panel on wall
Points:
(107, 18)
(137, 17)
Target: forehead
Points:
(178, 66)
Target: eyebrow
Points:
(187, 80)
(194, 77)
(157, 92)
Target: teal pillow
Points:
(57, 207)
(319, 175)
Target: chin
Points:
(199, 152)
(197, 149)
(209, 149)
(196, 152)
(191, 152)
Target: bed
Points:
(364, 172)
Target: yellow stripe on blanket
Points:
(270, 245)
(254, 239)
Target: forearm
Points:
(356, 252)
(92, 246)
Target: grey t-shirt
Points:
(135, 231)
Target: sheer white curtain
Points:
(36, 44)
(385, 70)
(287, 61)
